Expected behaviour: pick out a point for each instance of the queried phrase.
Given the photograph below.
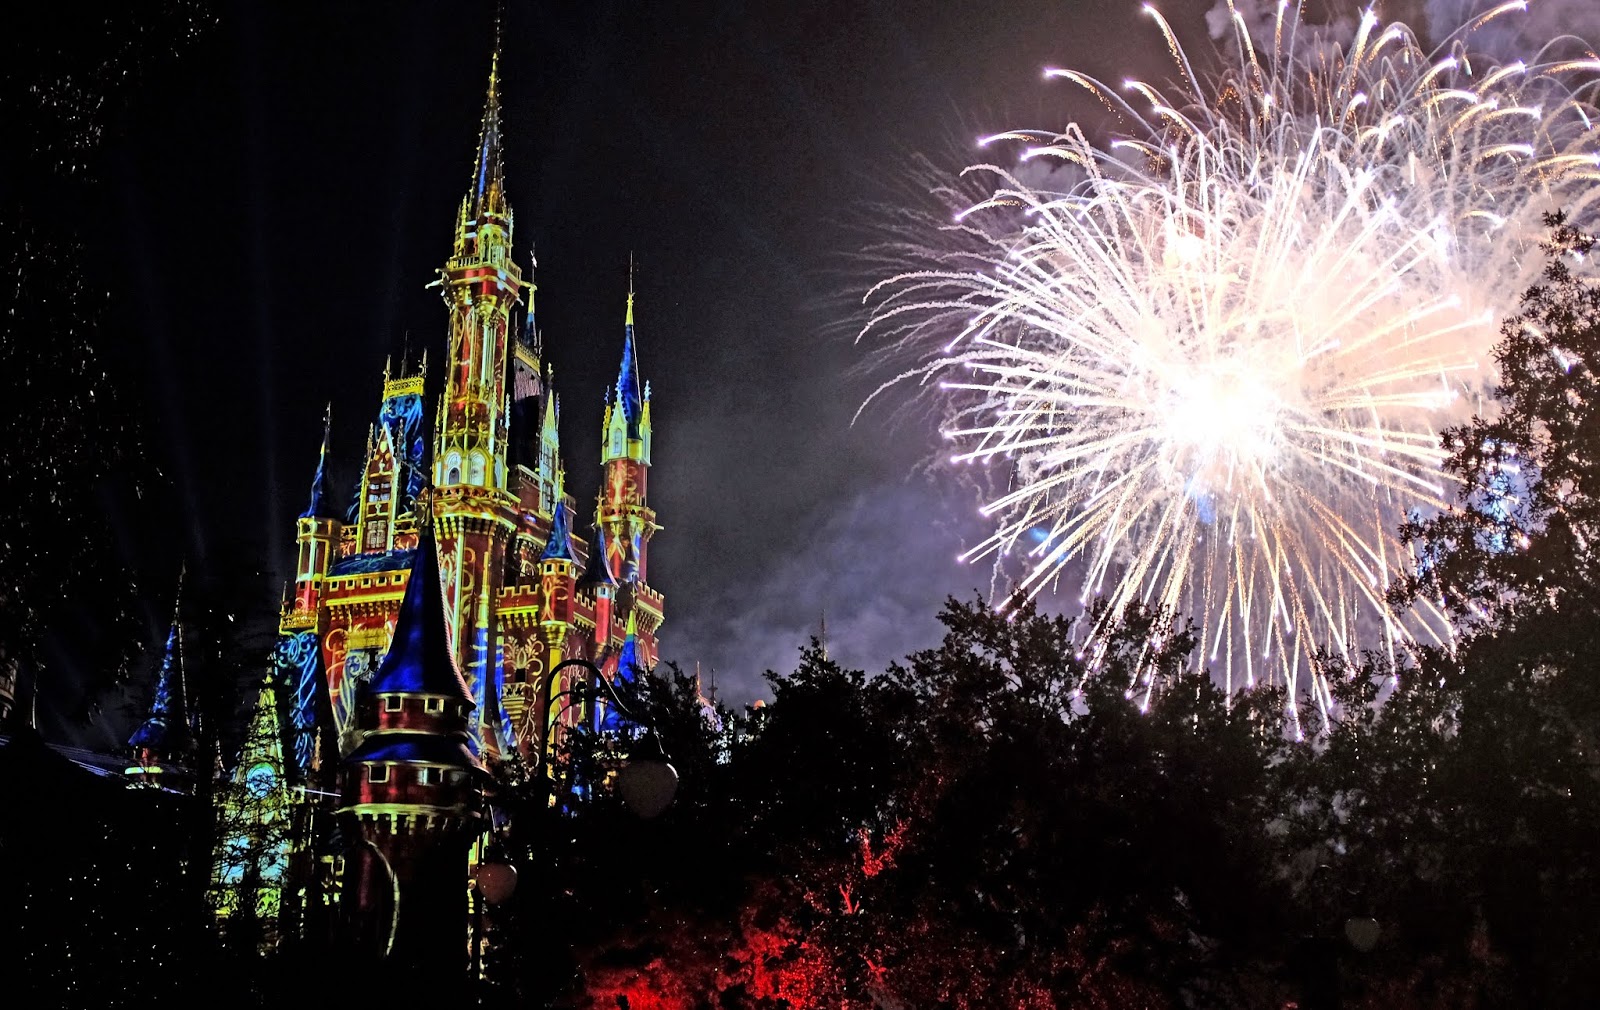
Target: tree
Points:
(1516, 564)
(986, 822)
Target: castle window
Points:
(393, 703)
(377, 773)
(434, 704)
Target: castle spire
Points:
(598, 571)
(550, 430)
(630, 399)
(164, 736)
(488, 180)
(628, 663)
(530, 326)
(476, 515)
(321, 507)
(627, 670)
(626, 431)
(559, 546)
(419, 659)
(549, 469)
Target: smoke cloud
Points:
(1260, 17)
(1517, 34)
(879, 567)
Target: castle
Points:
(414, 650)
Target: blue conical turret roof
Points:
(598, 571)
(419, 659)
(321, 505)
(166, 730)
(629, 396)
(628, 664)
(559, 546)
(627, 670)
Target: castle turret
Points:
(625, 455)
(413, 788)
(316, 533)
(552, 472)
(630, 663)
(558, 572)
(164, 743)
(597, 579)
(626, 518)
(474, 511)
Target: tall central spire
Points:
(488, 181)
(475, 513)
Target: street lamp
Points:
(647, 787)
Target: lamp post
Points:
(647, 787)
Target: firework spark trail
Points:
(1217, 362)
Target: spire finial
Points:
(630, 288)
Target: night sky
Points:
(283, 190)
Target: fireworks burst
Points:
(1216, 360)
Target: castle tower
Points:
(626, 518)
(413, 788)
(474, 511)
(164, 742)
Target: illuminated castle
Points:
(518, 590)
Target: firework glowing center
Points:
(1222, 425)
(1214, 355)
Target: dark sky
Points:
(286, 187)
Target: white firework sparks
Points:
(1217, 364)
